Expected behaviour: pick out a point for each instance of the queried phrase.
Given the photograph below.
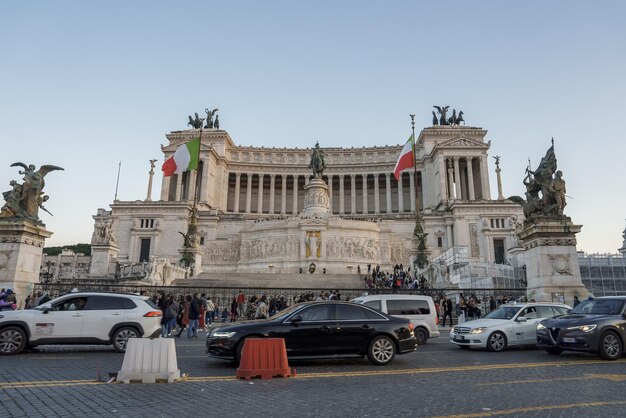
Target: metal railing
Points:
(222, 297)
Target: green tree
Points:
(77, 248)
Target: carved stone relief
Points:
(473, 230)
(560, 264)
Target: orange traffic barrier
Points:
(264, 358)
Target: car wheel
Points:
(421, 335)
(121, 336)
(12, 340)
(381, 350)
(554, 350)
(610, 346)
(496, 341)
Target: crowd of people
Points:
(197, 312)
(467, 307)
(399, 278)
(8, 300)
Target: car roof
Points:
(91, 293)
(394, 296)
(524, 304)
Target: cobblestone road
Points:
(438, 380)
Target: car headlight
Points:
(583, 328)
(223, 334)
(541, 326)
(478, 330)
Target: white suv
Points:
(419, 309)
(80, 318)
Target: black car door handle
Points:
(325, 328)
(365, 326)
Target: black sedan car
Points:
(596, 325)
(321, 330)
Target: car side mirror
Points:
(296, 320)
(521, 319)
(46, 308)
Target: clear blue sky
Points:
(84, 85)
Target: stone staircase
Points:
(274, 280)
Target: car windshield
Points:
(503, 312)
(599, 307)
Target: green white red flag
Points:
(185, 158)
(406, 158)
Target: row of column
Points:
(460, 184)
(295, 192)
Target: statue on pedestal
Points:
(24, 200)
(547, 181)
(317, 163)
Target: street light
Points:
(47, 275)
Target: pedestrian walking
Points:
(194, 315)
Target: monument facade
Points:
(277, 210)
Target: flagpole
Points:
(422, 258)
(195, 189)
(417, 207)
(117, 182)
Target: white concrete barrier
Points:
(149, 360)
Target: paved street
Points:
(438, 380)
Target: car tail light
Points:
(437, 320)
(153, 314)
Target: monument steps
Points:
(274, 280)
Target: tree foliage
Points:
(76, 248)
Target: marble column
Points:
(165, 188)
(353, 193)
(450, 179)
(192, 184)
(470, 179)
(388, 191)
(204, 184)
(249, 193)
(259, 205)
(485, 178)
(329, 178)
(442, 179)
(295, 194)
(283, 195)
(237, 191)
(365, 202)
(457, 180)
(341, 195)
(179, 187)
(272, 192)
(376, 195)
(449, 236)
(400, 195)
(412, 186)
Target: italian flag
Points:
(184, 159)
(406, 158)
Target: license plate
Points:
(569, 340)
(459, 338)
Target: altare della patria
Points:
(294, 217)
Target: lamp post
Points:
(47, 276)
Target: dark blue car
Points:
(596, 325)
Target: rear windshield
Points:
(151, 303)
(599, 307)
